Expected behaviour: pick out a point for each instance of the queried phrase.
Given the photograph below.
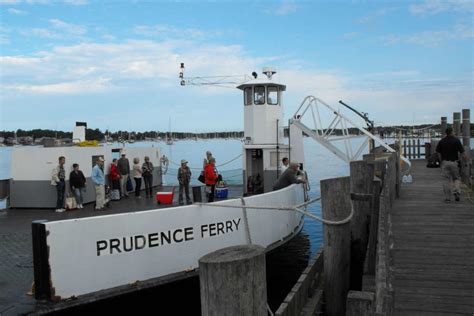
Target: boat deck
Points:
(433, 250)
(16, 255)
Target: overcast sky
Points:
(115, 63)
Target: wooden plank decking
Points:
(433, 252)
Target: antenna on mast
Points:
(222, 81)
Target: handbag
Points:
(201, 177)
(70, 203)
(129, 184)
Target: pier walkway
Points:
(433, 250)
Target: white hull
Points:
(97, 253)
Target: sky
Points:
(115, 64)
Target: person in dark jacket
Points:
(124, 169)
(289, 177)
(77, 182)
(147, 174)
(449, 149)
(184, 177)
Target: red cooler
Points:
(165, 197)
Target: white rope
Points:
(222, 164)
(296, 208)
(269, 310)
(246, 221)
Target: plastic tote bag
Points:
(70, 203)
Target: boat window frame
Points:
(258, 102)
(248, 97)
(277, 90)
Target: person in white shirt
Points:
(284, 164)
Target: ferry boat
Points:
(85, 255)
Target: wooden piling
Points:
(362, 175)
(444, 125)
(360, 303)
(233, 281)
(335, 200)
(466, 127)
(374, 223)
(457, 124)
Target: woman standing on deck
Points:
(210, 175)
(137, 176)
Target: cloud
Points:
(350, 35)
(67, 27)
(4, 38)
(460, 31)
(16, 11)
(147, 71)
(45, 2)
(370, 18)
(432, 7)
(167, 31)
(59, 30)
(284, 8)
(75, 87)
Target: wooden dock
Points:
(433, 248)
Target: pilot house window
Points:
(248, 96)
(259, 95)
(272, 97)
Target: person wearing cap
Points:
(58, 179)
(98, 178)
(124, 169)
(184, 177)
(210, 178)
(289, 177)
(147, 174)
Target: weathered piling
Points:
(374, 223)
(466, 127)
(360, 303)
(444, 125)
(361, 175)
(336, 206)
(457, 124)
(466, 137)
(233, 281)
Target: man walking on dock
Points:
(449, 149)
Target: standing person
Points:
(284, 164)
(210, 175)
(449, 149)
(58, 178)
(184, 177)
(289, 177)
(206, 160)
(124, 169)
(147, 173)
(137, 176)
(98, 178)
(115, 176)
(77, 182)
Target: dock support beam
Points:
(362, 176)
(457, 124)
(444, 125)
(233, 281)
(336, 206)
